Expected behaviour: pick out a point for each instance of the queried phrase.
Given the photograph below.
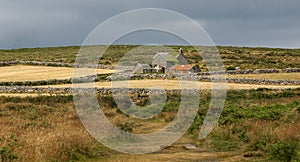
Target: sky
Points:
(44, 23)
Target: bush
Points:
(224, 140)
(7, 155)
(230, 68)
(284, 151)
(298, 109)
(127, 127)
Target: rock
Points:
(189, 146)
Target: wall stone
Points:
(292, 70)
(204, 78)
(103, 91)
(57, 64)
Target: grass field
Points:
(244, 57)
(273, 76)
(32, 73)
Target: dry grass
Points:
(273, 76)
(272, 131)
(173, 84)
(31, 73)
(56, 132)
(51, 136)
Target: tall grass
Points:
(259, 124)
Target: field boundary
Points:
(102, 91)
(101, 66)
(108, 78)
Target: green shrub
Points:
(107, 101)
(284, 151)
(171, 106)
(7, 155)
(230, 68)
(224, 141)
(127, 127)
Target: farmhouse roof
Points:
(144, 66)
(167, 56)
(162, 54)
(182, 67)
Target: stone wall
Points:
(263, 81)
(103, 91)
(257, 71)
(56, 64)
(7, 63)
(291, 70)
(204, 78)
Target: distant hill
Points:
(243, 57)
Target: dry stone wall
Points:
(103, 91)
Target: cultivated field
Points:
(35, 73)
(272, 76)
(172, 84)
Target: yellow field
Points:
(31, 73)
(272, 76)
(171, 84)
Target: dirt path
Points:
(176, 157)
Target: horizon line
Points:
(121, 44)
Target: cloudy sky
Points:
(41, 23)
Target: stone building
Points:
(142, 68)
(164, 61)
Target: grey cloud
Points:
(35, 23)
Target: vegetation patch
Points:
(256, 124)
